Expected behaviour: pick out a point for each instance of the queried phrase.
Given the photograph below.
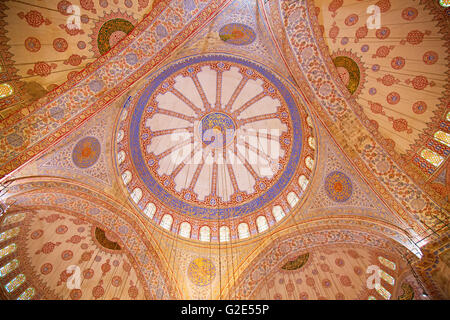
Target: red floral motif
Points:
(351, 20)
(376, 108)
(142, 4)
(383, 52)
(409, 13)
(384, 5)
(60, 44)
(88, 5)
(398, 63)
(116, 281)
(361, 33)
(393, 98)
(86, 256)
(430, 57)
(106, 267)
(62, 229)
(67, 255)
(334, 32)
(63, 7)
(133, 291)
(75, 60)
(88, 273)
(419, 107)
(334, 6)
(75, 294)
(46, 268)
(383, 33)
(345, 281)
(32, 44)
(48, 247)
(415, 37)
(75, 239)
(420, 82)
(42, 69)
(37, 234)
(34, 18)
(52, 218)
(400, 125)
(98, 290)
(388, 80)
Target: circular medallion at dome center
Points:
(217, 129)
(212, 137)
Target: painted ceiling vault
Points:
(224, 149)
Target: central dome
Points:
(211, 138)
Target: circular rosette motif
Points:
(212, 138)
(86, 152)
(201, 271)
(338, 186)
(237, 34)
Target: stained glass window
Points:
(121, 156)
(10, 266)
(309, 121)
(224, 233)
(15, 283)
(388, 263)
(443, 137)
(120, 136)
(13, 218)
(6, 90)
(150, 210)
(166, 221)
(432, 157)
(382, 291)
(243, 231)
(7, 250)
(371, 298)
(292, 199)
(312, 142)
(8, 234)
(205, 234)
(386, 277)
(278, 213)
(261, 223)
(303, 182)
(309, 163)
(27, 294)
(448, 116)
(185, 230)
(136, 195)
(126, 177)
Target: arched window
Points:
(292, 199)
(278, 213)
(8, 234)
(126, 177)
(312, 142)
(309, 121)
(185, 230)
(443, 137)
(386, 277)
(27, 294)
(261, 223)
(224, 234)
(382, 291)
(120, 157)
(7, 250)
(432, 157)
(303, 182)
(205, 234)
(136, 195)
(12, 265)
(371, 298)
(388, 263)
(150, 210)
(120, 136)
(13, 218)
(309, 163)
(243, 231)
(6, 90)
(15, 283)
(166, 221)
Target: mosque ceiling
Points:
(217, 144)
